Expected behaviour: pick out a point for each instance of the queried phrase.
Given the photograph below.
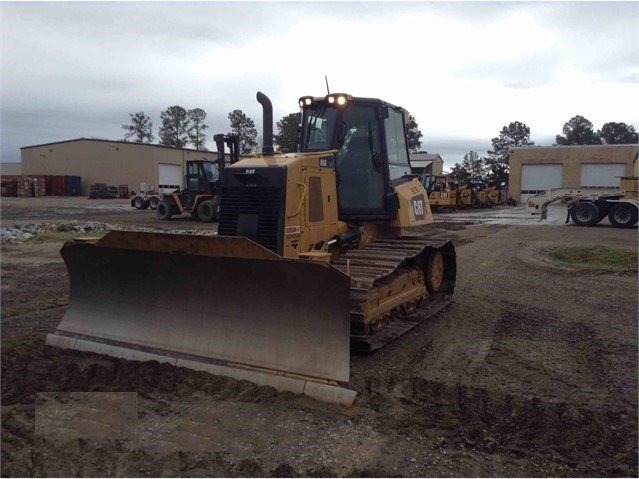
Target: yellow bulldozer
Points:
(474, 195)
(314, 257)
(443, 195)
(497, 195)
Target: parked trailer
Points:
(144, 201)
(538, 204)
(621, 212)
(587, 207)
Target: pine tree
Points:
(244, 128)
(140, 129)
(175, 127)
(196, 134)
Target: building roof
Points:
(420, 163)
(111, 141)
(423, 160)
(425, 156)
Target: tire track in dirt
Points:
(516, 378)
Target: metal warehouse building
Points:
(537, 169)
(426, 163)
(112, 162)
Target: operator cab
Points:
(372, 150)
(201, 176)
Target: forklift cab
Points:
(201, 176)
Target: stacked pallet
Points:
(38, 186)
(97, 190)
(102, 191)
(24, 186)
(8, 187)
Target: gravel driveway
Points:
(532, 371)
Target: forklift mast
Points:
(201, 177)
(233, 143)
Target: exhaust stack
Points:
(267, 122)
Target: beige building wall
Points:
(99, 161)
(10, 168)
(437, 168)
(571, 157)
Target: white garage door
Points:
(539, 178)
(602, 174)
(169, 178)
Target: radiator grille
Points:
(264, 202)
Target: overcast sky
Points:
(463, 69)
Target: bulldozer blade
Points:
(188, 301)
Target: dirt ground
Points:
(532, 371)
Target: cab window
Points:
(361, 184)
(211, 172)
(398, 164)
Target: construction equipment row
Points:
(446, 196)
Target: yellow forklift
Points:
(200, 196)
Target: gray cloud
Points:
(79, 69)
(452, 150)
(531, 71)
(602, 37)
(598, 37)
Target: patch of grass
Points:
(62, 236)
(596, 258)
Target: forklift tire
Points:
(585, 213)
(623, 215)
(164, 210)
(140, 203)
(207, 211)
(153, 202)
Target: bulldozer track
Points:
(398, 326)
(379, 262)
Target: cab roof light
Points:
(334, 99)
(338, 99)
(305, 101)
